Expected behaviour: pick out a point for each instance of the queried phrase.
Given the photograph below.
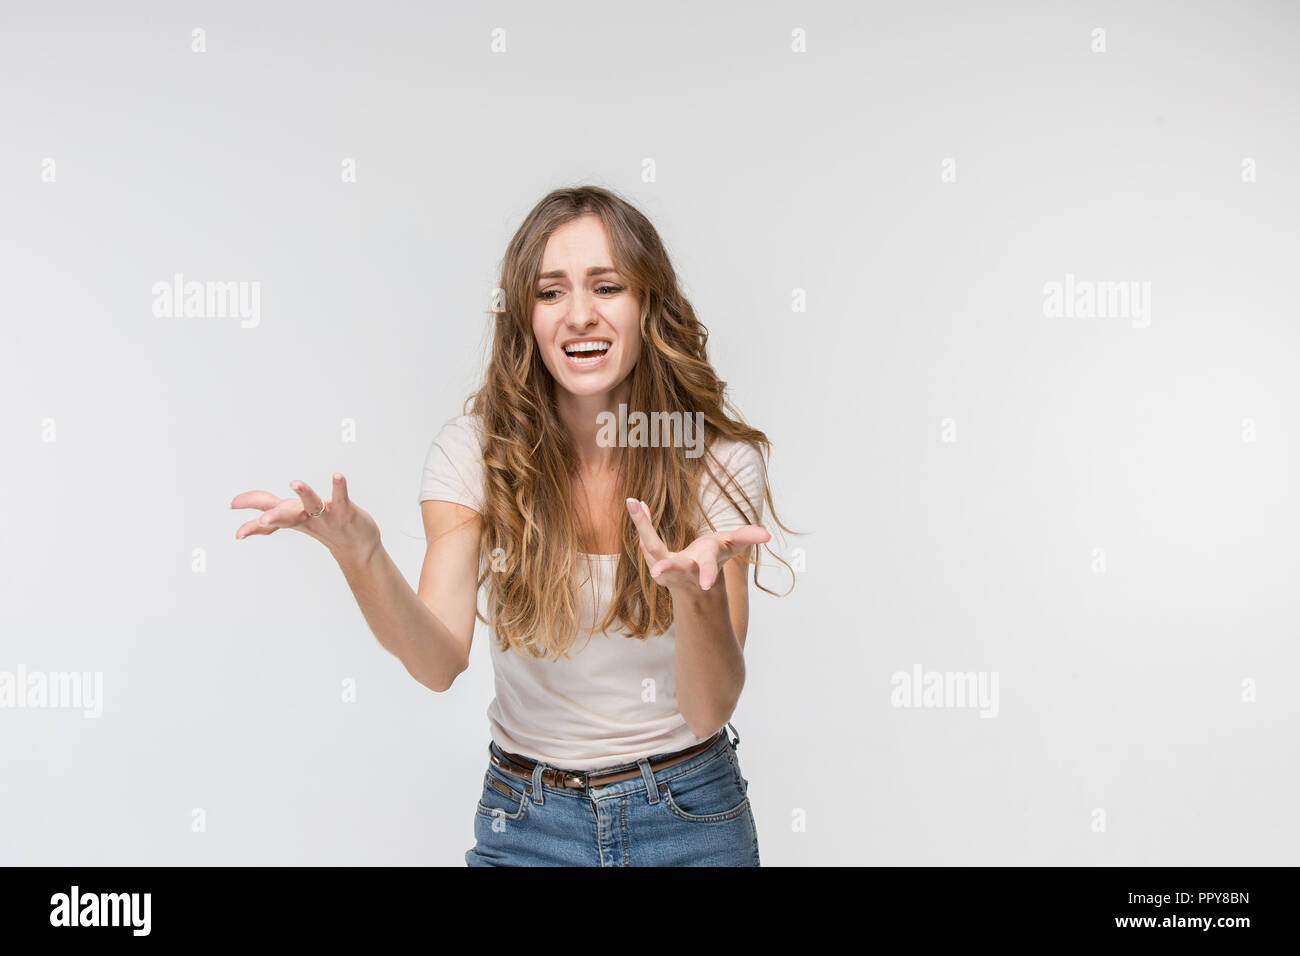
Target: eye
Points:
(605, 289)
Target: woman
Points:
(607, 499)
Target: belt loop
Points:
(651, 787)
(736, 742)
(538, 767)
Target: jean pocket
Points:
(501, 799)
(710, 793)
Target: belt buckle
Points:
(565, 776)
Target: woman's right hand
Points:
(345, 528)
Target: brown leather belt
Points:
(522, 767)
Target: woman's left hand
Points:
(697, 566)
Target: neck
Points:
(579, 413)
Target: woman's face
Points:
(586, 320)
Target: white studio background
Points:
(868, 206)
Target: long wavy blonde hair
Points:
(532, 538)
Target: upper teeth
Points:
(586, 347)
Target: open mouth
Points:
(587, 354)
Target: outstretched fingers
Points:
(736, 541)
(254, 499)
(291, 512)
(651, 544)
(311, 502)
(340, 490)
(708, 564)
(263, 500)
(287, 513)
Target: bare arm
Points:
(711, 620)
(710, 661)
(428, 630)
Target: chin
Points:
(587, 386)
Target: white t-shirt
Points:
(613, 700)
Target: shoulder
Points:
(733, 483)
(453, 466)
(740, 460)
(462, 434)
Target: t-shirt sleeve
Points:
(453, 467)
(744, 477)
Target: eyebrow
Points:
(560, 273)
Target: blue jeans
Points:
(695, 813)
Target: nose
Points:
(582, 311)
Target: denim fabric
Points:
(695, 813)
